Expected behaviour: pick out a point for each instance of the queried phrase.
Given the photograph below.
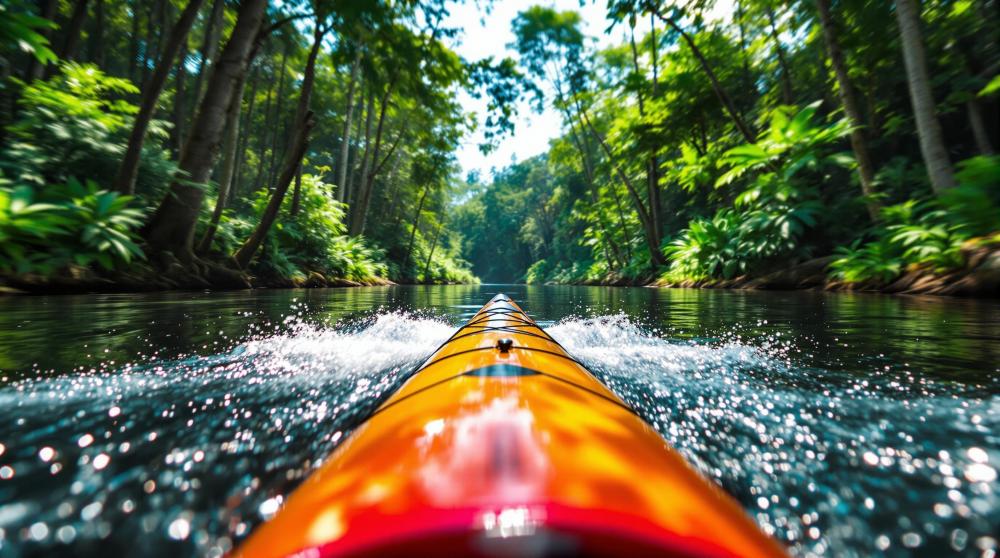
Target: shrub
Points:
(68, 223)
(77, 122)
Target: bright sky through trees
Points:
(488, 33)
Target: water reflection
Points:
(173, 423)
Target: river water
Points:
(172, 424)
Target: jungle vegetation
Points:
(700, 148)
(205, 142)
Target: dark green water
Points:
(172, 424)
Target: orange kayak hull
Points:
(495, 451)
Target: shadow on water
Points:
(173, 423)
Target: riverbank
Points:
(978, 278)
(81, 280)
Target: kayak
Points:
(502, 444)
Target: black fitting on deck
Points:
(505, 345)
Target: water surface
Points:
(172, 424)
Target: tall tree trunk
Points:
(365, 158)
(133, 42)
(305, 121)
(413, 229)
(787, 93)
(269, 122)
(647, 223)
(932, 146)
(652, 170)
(96, 42)
(245, 140)
(430, 255)
(180, 80)
(980, 132)
(277, 136)
(360, 215)
(859, 144)
(209, 46)
(148, 53)
(173, 224)
(129, 170)
(720, 92)
(297, 192)
(71, 38)
(352, 162)
(226, 177)
(345, 138)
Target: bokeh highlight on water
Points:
(172, 424)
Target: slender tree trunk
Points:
(647, 224)
(245, 140)
(720, 92)
(96, 43)
(276, 135)
(652, 170)
(305, 121)
(173, 224)
(787, 93)
(73, 30)
(270, 117)
(979, 130)
(352, 173)
(210, 46)
(368, 180)
(932, 145)
(363, 168)
(129, 170)
(345, 138)
(226, 177)
(180, 117)
(133, 42)
(148, 54)
(859, 144)
(430, 255)
(413, 229)
(297, 192)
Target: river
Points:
(171, 424)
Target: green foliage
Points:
(77, 124)
(23, 31)
(68, 223)
(927, 233)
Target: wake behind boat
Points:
(502, 444)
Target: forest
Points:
(225, 144)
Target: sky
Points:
(484, 35)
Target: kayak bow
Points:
(501, 443)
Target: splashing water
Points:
(186, 456)
(829, 462)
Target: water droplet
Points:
(101, 461)
(980, 472)
(114, 411)
(6, 472)
(179, 529)
(85, 440)
(38, 531)
(46, 454)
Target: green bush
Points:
(68, 223)
(928, 233)
(77, 123)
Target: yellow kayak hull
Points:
(494, 451)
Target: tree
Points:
(932, 145)
(125, 181)
(859, 144)
(172, 227)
